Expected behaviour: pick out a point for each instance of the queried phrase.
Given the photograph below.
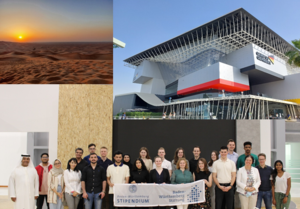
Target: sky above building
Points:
(142, 24)
(56, 20)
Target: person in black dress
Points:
(139, 173)
(159, 175)
(202, 173)
(127, 161)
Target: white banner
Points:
(146, 195)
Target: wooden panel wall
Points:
(85, 116)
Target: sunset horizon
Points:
(44, 22)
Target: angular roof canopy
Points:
(226, 34)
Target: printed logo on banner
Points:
(132, 189)
(194, 196)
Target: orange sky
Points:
(37, 21)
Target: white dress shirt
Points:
(72, 181)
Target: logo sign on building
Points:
(266, 59)
(147, 195)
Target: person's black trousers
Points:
(40, 201)
(111, 202)
(234, 189)
(227, 196)
(81, 203)
(105, 201)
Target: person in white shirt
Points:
(248, 182)
(281, 186)
(224, 173)
(23, 186)
(72, 177)
(165, 163)
(117, 173)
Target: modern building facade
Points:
(224, 69)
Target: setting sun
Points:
(20, 37)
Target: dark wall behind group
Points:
(130, 135)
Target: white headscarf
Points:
(56, 171)
(30, 165)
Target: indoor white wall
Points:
(12, 146)
(265, 139)
(30, 108)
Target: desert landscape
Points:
(56, 63)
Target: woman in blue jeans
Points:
(265, 189)
(56, 185)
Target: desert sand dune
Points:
(56, 63)
(18, 53)
(2, 53)
(12, 59)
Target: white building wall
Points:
(158, 87)
(149, 75)
(199, 77)
(265, 139)
(241, 58)
(147, 86)
(145, 71)
(283, 89)
(246, 57)
(279, 65)
(231, 73)
(153, 86)
(30, 108)
(12, 146)
(216, 71)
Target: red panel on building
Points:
(219, 84)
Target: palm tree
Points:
(294, 56)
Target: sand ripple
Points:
(63, 63)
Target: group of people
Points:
(171, 115)
(86, 181)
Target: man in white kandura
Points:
(23, 186)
